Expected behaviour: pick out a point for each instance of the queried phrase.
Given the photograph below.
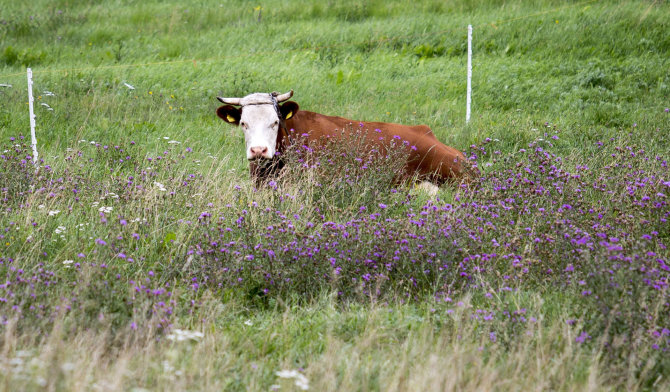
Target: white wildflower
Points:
(47, 93)
(60, 229)
(160, 186)
(67, 263)
(174, 142)
(46, 105)
(287, 373)
(300, 380)
(167, 367)
(105, 210)
(249, 323)
(40, 207)
(68, 366)
(54, 212)
(166, 137)
(302, 383)
(129, 86)
(180, 335)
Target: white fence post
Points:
(469, 93)
(33, 140)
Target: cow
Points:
(269, 128)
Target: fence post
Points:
(469, 93)
(33, 140)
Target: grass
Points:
(359, 347)
(545, 273)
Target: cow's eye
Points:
(243, 124)
(275, 123)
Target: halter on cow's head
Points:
(261, 118)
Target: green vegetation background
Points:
(598, 65)
(593, 69)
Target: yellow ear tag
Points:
(288, 115)
(230, 118)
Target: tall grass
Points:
(368, 347)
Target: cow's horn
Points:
(230, 101)
(284, 97)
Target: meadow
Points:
(140, 256)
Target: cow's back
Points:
(428, 157)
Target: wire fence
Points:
(380, 41)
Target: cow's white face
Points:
(259, 120)
(260, 124)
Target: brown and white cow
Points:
(268, 127)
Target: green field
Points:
(548, 272)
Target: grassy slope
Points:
(604, 61)
(593, 70)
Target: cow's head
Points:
(260, 116)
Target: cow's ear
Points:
(289, 109)
(229, 114)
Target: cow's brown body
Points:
(428, 157)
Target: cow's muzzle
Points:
(259, 153)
